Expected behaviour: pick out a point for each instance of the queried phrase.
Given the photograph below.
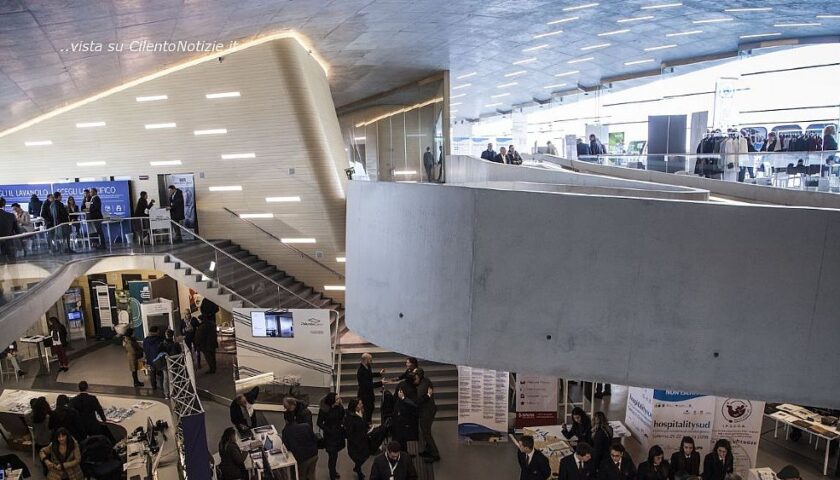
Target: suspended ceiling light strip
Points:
(397, 112)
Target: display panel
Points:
(272, 324)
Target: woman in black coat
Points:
(232, 464)
(330, 421)
(719, 462)
(656, 467)
(685, 462)
(356, 429)
(602, 437)
(404, 422)
(581, 426)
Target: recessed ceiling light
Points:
(211, 131)
(638, 62)
(458, 96)
(548, 34)
(812, 24)
(282, 199)
(505, 85)
(636, 19)
(238, 156)
(405, 172)
(359, 139)
(156, 126)
(713, 20)
(222, 95)
(226, 188)
(754, 9)
(593, 47)
(341, 259)
(297, 240)
(256, 215)
(95, 163)
(580, 60)
(90, 124)
(468, 75)
(661, 47)
(682, 34)
(538, 47)
(580, 7)
(527, 60)
(490, 105)
(38, 143)
(828, 16)
(761, 35)
(614, 32)
(516, 74)
(566, 74)
(563, 20)
(334, 287)
(454, 104)
(451, 112)
(151, 98)
(662, 5)
(500, 95)
(556, 85)
(164, 163)
(463, 85)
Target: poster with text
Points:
(482, 404)
(678, 414)
(639, 414)
(536, 400)
(739, 421)
(22, 193)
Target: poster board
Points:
(739, 421)
(306, 356)
(536, 400)
(482, 404)
(22, 193)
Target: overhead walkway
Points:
(727, 299)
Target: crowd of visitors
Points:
(509, 156)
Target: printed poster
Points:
(482, 404)
(683, 413)
(739, 421)
(536, 400)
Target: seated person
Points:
(242, 413)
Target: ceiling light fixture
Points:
(341, 259)
(829, 16)
(463, 85)
(516, 74)
(401, 110)
(548, 34)
(282, 199)
(662, 5)
(222, 95)
(614, 32)
(527, 60)
(500, 95)
(238, 156)
(152, 98)
(90, 124)
(226, 188)
(491, 105)
(164, 163)
(556, 85)
(334, 287)
(505, 85)
(661, 47)
(639, 62)
(580, 7)
(761, 35)
(812, 24)
(593, 47)
(359, 139)
(458, 96)
(563, 20)
(468, 75)
(297, 240)
(256, 215)
(211, 131)
(566, 74)
(635, 19)
(96, 163)
(538, 47)
(713, 20)
(156, 126)
(38, 143)
(754, 9)
(405, 172)
(455, 104)
(580, 60)
(683, 34)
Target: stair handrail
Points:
(286, 246)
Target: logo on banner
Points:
(311, 322)
(736, 411)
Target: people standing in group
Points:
(8, 227)
(90, 412)
(243, 416)
(514, 158)
(365, 378)
(830, 138)
(618, 466)
(656, 467)
(404, 422)
(719, 462)
(141, 222)
(176, 209)
(429, 163)
(489, 154)
(232, 458)
(411, 363)
(58, 334)
(602, 438)
(301, 441)
(38, 419)
(62, 457)
(206, 337)
(65, 416)
(533, 465)
(61, 220)
(356, 428)
(581, 426)
(151, 348)
(94, 215)
(134, 352)
(34, 207)
(331, 421)
(685, 462)
(583, 148)
(595, 146)
(393, 464)
(426, 411)
(501, 157)
(577, 465)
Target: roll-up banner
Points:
(678, 414)
(536, 400)
(482, 404)
(739, 421)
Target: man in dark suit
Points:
(576, 466)
(501, 157)
(365, 378)
(428, 163)
(394, 464)
(618, 466)
(95, 215)
(176, 209)
(242, 414)
(141, 225)
(8, 227)
(583, 149)
(89, 409)
(489, 154)
(61, 219)
(302, 443)
(533, 464)
(426, 411)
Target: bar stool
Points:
(7, 369)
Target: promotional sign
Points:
(536, 400)
(116, 201)
(292, 343)
(73, 313)
(739, 421)
(726, 103)
(186, 183)
(22, 193)
(678, 414)
(482, 404)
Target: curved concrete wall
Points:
(729, 300)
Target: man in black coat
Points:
(206, 337)
(296, 411)
(176, 209)
(583, 149)
(502, 156)
(394, 464)
(489, 154)
(576, 466)
(367, 385)
(242, 413)
(426, 411)
(533, 464)
(302, 443)
(60, 218)
(8, 227)
(618, 466)
(91, 412)
(595, 146)
(95, 215)
(141, 210)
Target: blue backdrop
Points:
(22, 193)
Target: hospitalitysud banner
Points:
(639, 414)
(536, 400)
(678, 414)
(482, 404)
(739, 421)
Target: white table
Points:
(83, 232)
(280, 459)
(38, 340)
(787, 414)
